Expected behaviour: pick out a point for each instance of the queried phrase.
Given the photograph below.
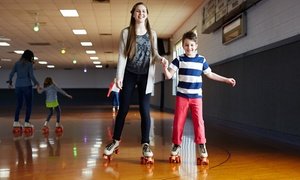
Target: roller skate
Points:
(175, 156)
(147, 157)
(59, 129)
(28, 129)
(202, 160)
(45, 129)
(17, 129)
(111, 148)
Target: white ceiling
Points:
(103, 22)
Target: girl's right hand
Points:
(119, 84)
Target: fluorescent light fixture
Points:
(69, 13)
(36, 27)
(86, 43)
(50, 66)
(90, 51)
(79, 31)
(35, 58)
(6, 60)
(94, 58)
(96, 62)
(4, 44)
(19, 51)
(43, 62)
(98, 66)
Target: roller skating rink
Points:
(77, 153)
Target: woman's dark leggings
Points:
(24, 93)
(50, 113)
(130, 81)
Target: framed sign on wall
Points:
(234, 29)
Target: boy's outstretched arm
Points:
(168, 73)
(220, 78)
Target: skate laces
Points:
(202, 148)
(111, 145)
(175, 147)
(146, 148)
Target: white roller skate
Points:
(147, 157)
(203, 159)
(45, 129)
(17, 129)
(175, 156)
(59, 129)
(111, 148)
(28, 129)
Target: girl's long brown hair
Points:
(129, 50)
(48, 81)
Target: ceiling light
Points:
(84, 70)
(4, 44)
(63, 51)
(74, 61)
(90, 51)
(94, 58)
(96, 62)
(50, 66)
(43, 62)
(98, 66)
(19, 51)
(36, 27)
(69, 13)
(6, 60)
(86, 43)
(79, 31)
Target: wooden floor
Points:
(77, 154)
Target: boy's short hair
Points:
(189, 35)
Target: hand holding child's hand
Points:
(164, 62)
(231, 81)
(119, 84)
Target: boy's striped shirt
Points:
(190, 72)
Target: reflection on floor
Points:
(77, 154)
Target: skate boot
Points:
(147, 157)
(59, 129)
(45, 129)
(28, 129)
(17, 129)
(203, 159)
(175, 156)
(111, 148)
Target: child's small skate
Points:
(45, 129)
(147, 157)
(28, 129)
(59, 129)
(17, 129)
(111, 148)
(175, 156)
(203, 159)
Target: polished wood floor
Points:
(77, 154)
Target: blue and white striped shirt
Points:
(190, 72)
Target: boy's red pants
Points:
(181, 108)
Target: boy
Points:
(190, 66)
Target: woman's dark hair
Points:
(28, 55)
(129, 50)
(48, 81)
